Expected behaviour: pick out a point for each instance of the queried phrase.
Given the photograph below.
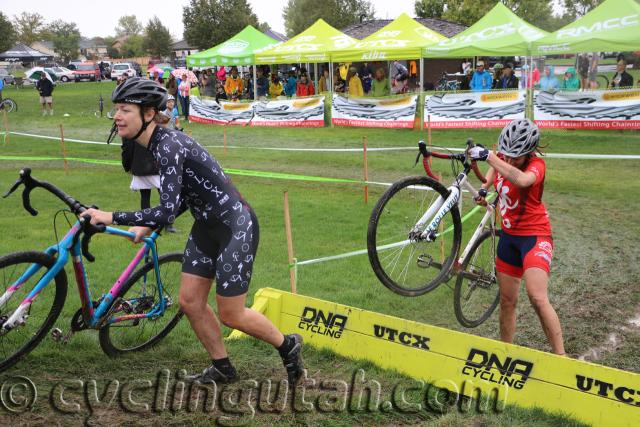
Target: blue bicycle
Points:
(139, 310)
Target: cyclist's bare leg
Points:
(509, 290)
(236, 315)
(537, 282)
(194, 292)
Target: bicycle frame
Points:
(68, 247)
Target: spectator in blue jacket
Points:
(482, 79)
(290, 84)
(548, 81)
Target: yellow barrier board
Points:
(462, 363)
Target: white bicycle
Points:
(415, 233)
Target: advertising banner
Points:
(396, 112)
(597, 109)
(224, 113)
(298, 112)
(490, 371)
(474, 109)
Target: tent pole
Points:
(255, 83)
(331, 76)
(315, 76)
(420, 93)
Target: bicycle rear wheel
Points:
(477, 293)
(9, 105)
(410, 267)
(123, 332)
(603, 81)
(41, 314)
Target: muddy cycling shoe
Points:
(293, 360)
(212, 375)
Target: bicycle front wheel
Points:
(477, 293)
(407, 266)
(136, 321)
(18, 341)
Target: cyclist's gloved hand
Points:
(479, 152)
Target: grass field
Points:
(593, 205)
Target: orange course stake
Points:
(64, 151)
(366, 170)
(287, 226)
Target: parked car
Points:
(8, 78)
(87, 70)
(63, 74)
(121, 69)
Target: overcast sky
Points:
(94, 20)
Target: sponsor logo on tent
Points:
(233, 46)
(609, 24)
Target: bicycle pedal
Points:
(425, 261)
(56, 334)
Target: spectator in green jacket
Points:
(380, 85)
(570, 81)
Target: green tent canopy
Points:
(312, 45)
(238, 50)
(403, 38)
(499, 33)
(612, 26)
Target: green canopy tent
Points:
(403, 38)
(313, 45)
(614, 25)
(499, 33)
(238, 50)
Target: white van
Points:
(118, 70)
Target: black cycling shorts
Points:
(214, 250)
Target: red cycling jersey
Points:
(522, 210)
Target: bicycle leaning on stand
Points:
(138, 311)
(412, 252)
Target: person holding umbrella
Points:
(184, 89)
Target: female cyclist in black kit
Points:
(223, 240)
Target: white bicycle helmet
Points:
(518, 138)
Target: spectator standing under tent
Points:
(400, 77)
(497, 75)
(234, 85)
(380, 85)
(304, 87)
(354, 84)
(184, 89)
(507, 80)
(548, 81)
(482, 79)
(275, 86)
(570, 81)
(366, 74)
(262, 82)
(583, 70)
(45, 89)
(593, 70)
(339, 85)
(323, 83)
(290, 84)
(621, 79)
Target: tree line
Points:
(210, 22)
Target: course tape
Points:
(357, 150)
(468, 215)
(231, 171)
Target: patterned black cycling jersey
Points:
(191, 178)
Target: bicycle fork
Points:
(437, 210)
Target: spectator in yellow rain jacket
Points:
(233, 86)
(275, 86)
(354, 83)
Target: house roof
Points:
(364, 29)
(182, 45)
(90, 43)
(276, 35)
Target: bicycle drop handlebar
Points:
(76, 207)
(462, 158)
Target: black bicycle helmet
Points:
(142, 92)
(518, 138)
(139, 91)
